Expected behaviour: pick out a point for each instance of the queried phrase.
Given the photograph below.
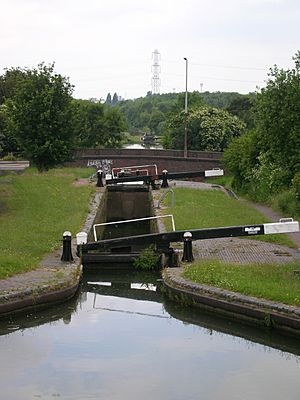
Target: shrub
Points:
(296, 185)
(147, 260)
(288, 203)
(9, 157)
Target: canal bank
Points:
(235, 306)
(57, 281)
(54, 281)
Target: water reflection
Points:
(120, 339)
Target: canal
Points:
(119, 338)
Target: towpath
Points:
(54, 280)
(243, 251)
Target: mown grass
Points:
(35, 210)
(196, 209)
(273, 282)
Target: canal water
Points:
(120, 339)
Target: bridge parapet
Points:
(172, 160)
(146, 153)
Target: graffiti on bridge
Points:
(105, 165)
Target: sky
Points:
(107, 45)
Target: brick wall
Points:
(172, 160)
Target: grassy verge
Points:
(224, 180)
(196, 209)
(35, 209)
(272, 282)
(287, 203)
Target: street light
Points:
(185, 109)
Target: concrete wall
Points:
(99, 217)
(124, 202)
(128, 204)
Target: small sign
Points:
(252, 230)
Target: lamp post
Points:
(185, 109)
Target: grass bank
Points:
(284, 202)
(35, 209)
(279, 283)
(195, 208)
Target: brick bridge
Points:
(172, 160)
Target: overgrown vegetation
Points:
(273, 282)
(35, 209)
(147, 260)
(196, 209)
(265, 162)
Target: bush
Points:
(147, 260)
(288, 203)
(267, 178)
(9, 157)
(296, 185)
(240, 158)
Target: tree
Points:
(97, 125)
(115, 99)
(243, 107)
(39, 116)
(9, 82)
(114, 126)
(156, 118)
(278, 118)
(241, 158)
(88, 123)
(108, 99)
(209, 129)
(195, 100)
(8, 143)
(265, 161)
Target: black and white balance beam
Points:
(170, 175)
(283, 226)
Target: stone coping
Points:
(258, 311)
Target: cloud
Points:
(106, 46)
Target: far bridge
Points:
(171, 160)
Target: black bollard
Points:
(187, 247)
(152, 183)
(67, 248)
(164, 183)
(99, 178)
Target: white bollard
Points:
(81, 238)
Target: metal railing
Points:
(134, 168)
(132, 220)
(164, 195)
